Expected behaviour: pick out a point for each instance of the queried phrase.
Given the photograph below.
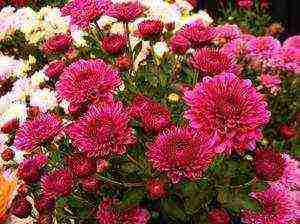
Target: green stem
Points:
(112, 181)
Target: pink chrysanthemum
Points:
(198, 33)
(150, 28)
(230, 108)
(262, 48)
(278, 207)
(271, 82)
(213, 62)
(292, 42)
(55, 68)
(84, 12)
(181, 153)
(81, 166)
(114, 43)
(30, 169)
(244, 4)
(103, 131)
(152, 115)
(84, 79)
(291, 172)
(179, 44)
(33, 133)
(57, 44)
(286, 59)
(218, 216)
(228, 32)
(108, 214)
(156, 189)
(59, 183)
(125, 12)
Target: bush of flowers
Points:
(142, 112)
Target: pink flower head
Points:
(20, 207)
(278, 207)
(107, 214)
(81, 166)
(198, 33)
(29, 170)
(126, 12)
(114, 43)
(59, 183)
(55, 68)
(288, 58)
(213, 62)
(228, 32)
(292, 42)
(262, 48)
(84, 79)
(156, 189)
(152, 115)
(150, 28)
(33, 133)
(103, 131)
(179, 44)
(244, 4)
(84, 12)
(181, 153)
(218, 216)
(57, 44)
(19, 3)
(271, 82)
(288, 132)
(230, 108)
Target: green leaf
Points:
(133, 197)
(137, 48)
(259, 186)
(173, 210)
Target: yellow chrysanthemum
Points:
(6, 191)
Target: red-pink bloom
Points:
(230, 108)
(44, 204)
(55, 68)
(59, 183)
(181, 153)
(29, 170)
(150, 28)
(103, 131)
(271, 82)
(114, 43)
(278, 207)
(19, 3)
(228, 32)
(20, 207)
(262, 48)
(125, 12)
(179, 44)
(288, 58)
(152, 115)
(7, 154)
(288, 132)
(213, 62)
(33, 133)
(123, 62)
(90, 184)
(81, 166)
(198, 33)
(84, 12)
(292, 42)
(107, 214)
(291, 173)
(244, 4)
(218, 216)
(84, 79)
(156, 189)
(57, 44)
(10, 126)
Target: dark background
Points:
(287, 11)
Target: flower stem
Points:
(112, 181)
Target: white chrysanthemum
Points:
(37, 78)
(8, 67)
(44, 99)
(65, 105)
(21, 89)
(167, 13)
(78, 38)
(26, 19)
(201, 15)
(7, 22)
(160, 48)
(106, 20)
(16, 110)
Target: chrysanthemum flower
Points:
(6, 194)
(228, 32)
(114, 43)
(278, 207)
(59, 183)
(287, 58)
(30, 169)
(230, 108)
(86, 78)
(84, 12)
(20, 207)
(181, 153)
(81, 166)
(33, 133)
(55, 68)
(156, 188)
(57, 44)
(262, 48)
(213, 62)
(152, 115)
(244, 4)
(218, 216)
(150, 28)
(288, 132)
(103, 131)
(292, 42)
(107, 214)
(271, 82)
(179, 44)
(125, 12)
